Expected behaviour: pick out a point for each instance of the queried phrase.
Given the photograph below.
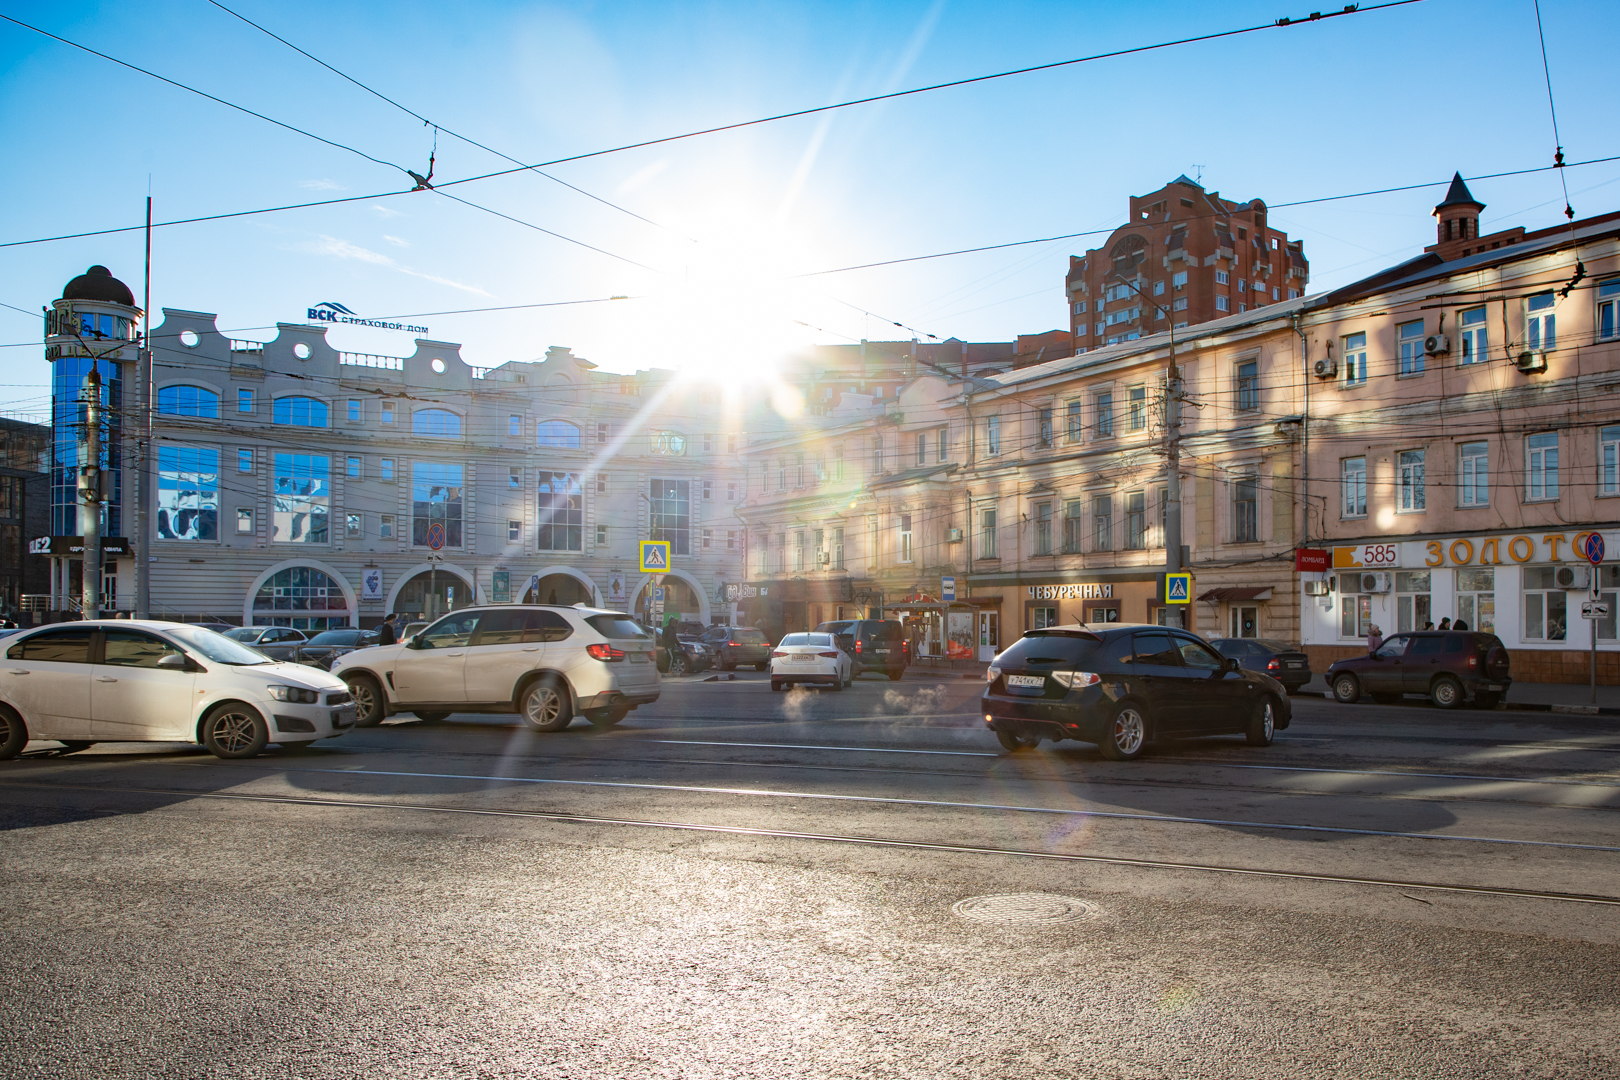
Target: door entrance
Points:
(989, 635)
(1245, 621)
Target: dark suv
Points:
(874, 644)
(1121, 687)
(1450, 666)
(735, 645)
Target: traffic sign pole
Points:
(1593, 550)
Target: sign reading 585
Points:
(1366, 556)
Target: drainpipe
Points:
(1305, 432)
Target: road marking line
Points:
(1396, 772)
(893, 801)
(797, 746)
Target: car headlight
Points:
(296, 694)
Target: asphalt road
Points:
(736, 883)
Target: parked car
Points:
(874, 644)
(546, 663)
(1450, 666)
(145, 681)
(1123, 686)
(326, 646)
(738, 645)
(692, 657)
(1286, 663)
(276, 642)
(412, 628)
(804, 658)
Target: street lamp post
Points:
(1172, 441)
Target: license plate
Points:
(1295, 664)
(1026, 680)
(342, 717)
(638, 658)
(1493, 687)
(802, 659)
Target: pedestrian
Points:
(385, 633)
(669, 638)
(1445, 623)
(1459, 625)
(1429, 625)
(1375, 638)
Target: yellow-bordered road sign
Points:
(1178, 588)
(654, 556)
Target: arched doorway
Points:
(303, 597)
(558, 589)
(683, 598)
(429, 594)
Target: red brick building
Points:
(1189, 251)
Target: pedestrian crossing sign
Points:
(654, 556)
(1178, 588)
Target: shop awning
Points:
(1256, 592)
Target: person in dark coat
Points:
(385, 632)
(668, 638)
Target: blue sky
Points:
(1367, 101)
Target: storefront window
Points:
(1609, 583)
(1545, 610)
(1412, 600)
(1042, 617)
(1103, 614)
(1476, 599)
(1355, 609)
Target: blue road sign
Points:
(947, 588)
(1178, 588)
(1594, 548)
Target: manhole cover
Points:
(1026, 908)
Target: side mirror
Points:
(1231, 664)
(174, 660)
(415, 642)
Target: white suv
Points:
(138, 681)
(547, 664)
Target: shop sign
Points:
(371, 584)
(1502, 550)
(736, 592)
(1071, 592)
(328, 312)
(74, 545)
(1310, 560)
(500, 586)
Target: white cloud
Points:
(383, 211)
(322, 185)
(396, 241)
(342, 249)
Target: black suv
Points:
(1122, 687)
(1450, 666)
(735, 645)
(875, 644)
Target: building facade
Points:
(1188, 251)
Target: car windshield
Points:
(249, 634)
(807, 639)
(218, 647)
(1048, 650)
(617, 627)
(841, 627)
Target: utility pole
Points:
(1173, 561)
(90, 494)
(143, 447)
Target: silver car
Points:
(276, 642)
(547, 664)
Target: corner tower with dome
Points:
(91, 327)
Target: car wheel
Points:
(838, 682)
(761, 666)
(368, 701)
(1014, 743)
(234, 730)
(543, 705)
(895, 673)
(1346, 689)
(432, 716)
(1125, 737)
(13, 733)
(1485, 699)
(1263, 724)
(1387, 699)
(1446, 692)
(776, 684)
(678, 664)
(606, 718)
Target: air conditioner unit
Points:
(1573, 577)
(1326, 369)
(953, 536)
(1319, 588)
(1436, 344)
(1376, 583)
(1531, 362)
(823, 558)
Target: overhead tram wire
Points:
(435, 125)
(728, 127)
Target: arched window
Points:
(440, 422)
(301, 597)
(299, 412)
(188, 401)
(558, 433)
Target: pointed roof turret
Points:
(1459, 195)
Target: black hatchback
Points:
(873, 644)
(1122, 687)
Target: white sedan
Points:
(803, 658)
(80, 683)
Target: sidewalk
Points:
(1533, 697)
